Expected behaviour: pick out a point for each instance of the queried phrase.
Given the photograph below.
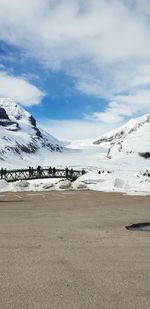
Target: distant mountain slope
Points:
(133, 137)
(19, 134)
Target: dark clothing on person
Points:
(50, 170)
(39, 171)
(66, 172)
(54, 171)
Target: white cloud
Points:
(65, 30)
(75, 129)
(136, 102)
(104, 44)
(19, 89)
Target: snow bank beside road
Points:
(129, 184)
(113, 183)
(40, 185)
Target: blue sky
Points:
(80, 67)
(61, 100)
(58, 86)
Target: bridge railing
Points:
(39, 173)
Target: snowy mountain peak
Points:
(135, 123)
(133, 137)
(19, 134)
(14, 111)
(130, 127)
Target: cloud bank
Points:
(19, 89)
(103, 44)
(75, 129)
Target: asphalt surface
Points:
(71, 250)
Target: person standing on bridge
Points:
(50, 170)
(2, 172)
(54, 171)
(66, 170)
(71, 172)
(30, 171)
(39, 171)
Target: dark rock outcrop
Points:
(3, 114)
(33, 121)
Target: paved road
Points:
(70, 250)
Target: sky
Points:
(81, 67)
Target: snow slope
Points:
(133, 137)
(20, 138)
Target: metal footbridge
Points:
(40, 173)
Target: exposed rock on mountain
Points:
(133, 137)
(19, 134)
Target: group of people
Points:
(51, 171)
(35, 171)
(146, 173)
(38, 171)
(102, 172)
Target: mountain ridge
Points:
(131, 137)
(20, 134)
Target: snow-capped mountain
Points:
(133, 137)
(19, 134)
